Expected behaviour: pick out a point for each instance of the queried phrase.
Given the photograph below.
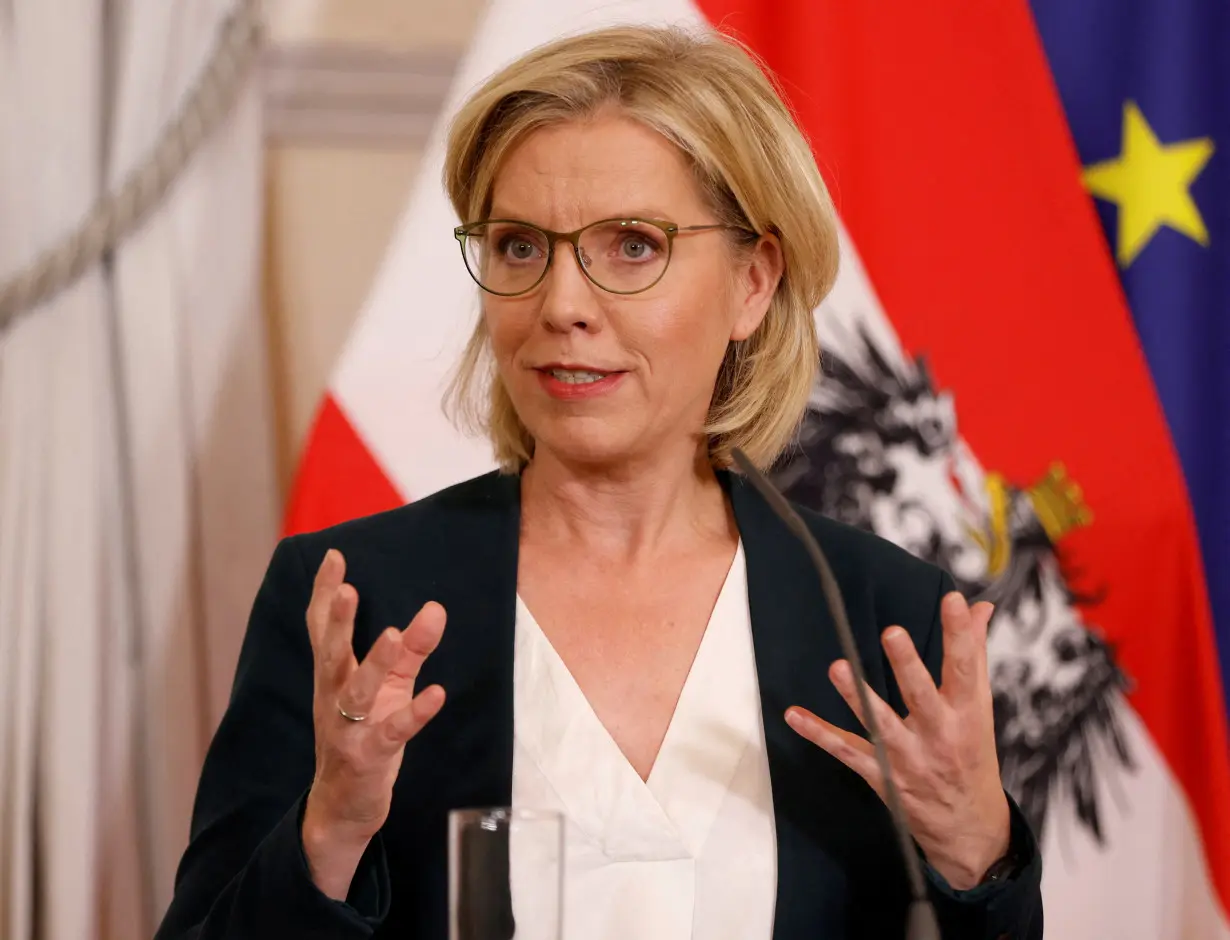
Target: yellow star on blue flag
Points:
(1150, 183)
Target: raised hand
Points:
(943, 754)
(363, 715)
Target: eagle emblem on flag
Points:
(879, 449)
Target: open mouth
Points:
(577, 376)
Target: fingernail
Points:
(794, 718)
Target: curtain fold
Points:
(187, 292)
(55, 460)
(137, 492)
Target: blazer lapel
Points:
(814, 797)
(471, 569)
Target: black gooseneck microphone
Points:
(921, 924)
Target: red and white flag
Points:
(967, 238)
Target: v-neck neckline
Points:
(716, 716)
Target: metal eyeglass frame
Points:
(669, 231)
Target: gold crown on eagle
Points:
(1059, 503)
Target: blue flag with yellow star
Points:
(1145, 85)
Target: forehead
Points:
(577, 172)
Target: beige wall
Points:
(336, 186)
(397, 24)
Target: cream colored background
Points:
(333, 202)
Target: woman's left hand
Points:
(943, 755)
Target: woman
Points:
(633, 638)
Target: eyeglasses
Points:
(622, 256)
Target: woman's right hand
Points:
(357, 761)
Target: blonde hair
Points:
(707, 95)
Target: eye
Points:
(511, 243)
(635, 246)
(518, 246)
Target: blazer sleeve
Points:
(244, 873)
(1010, 908)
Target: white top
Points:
(690, 853)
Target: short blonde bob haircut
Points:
(706, 94)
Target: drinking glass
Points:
(505, 874)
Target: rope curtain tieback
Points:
(119, 213)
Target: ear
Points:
(756, 285)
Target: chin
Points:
(586, 441)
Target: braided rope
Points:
(122, 211)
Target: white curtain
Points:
(137, 490)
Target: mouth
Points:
(577, 382)
(577, 374)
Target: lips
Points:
(573, 382)
(577, 373)
(578, 377)
(576, 367)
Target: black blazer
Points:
(839, 873)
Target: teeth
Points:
(577, 377)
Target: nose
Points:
(568, 296)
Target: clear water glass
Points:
(505, 874)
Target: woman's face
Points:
(601, 378)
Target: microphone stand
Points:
(922, 924)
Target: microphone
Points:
(921, 924)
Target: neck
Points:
(624, 513)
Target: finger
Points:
(965, 647)
(419, 640)
(854, 751)
(329, 577)
(358, 695)
(892, 729)
(918, 690)
(406, 722)
(335, 650)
